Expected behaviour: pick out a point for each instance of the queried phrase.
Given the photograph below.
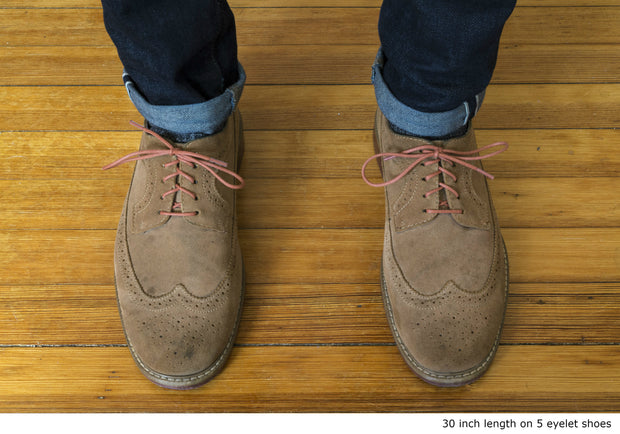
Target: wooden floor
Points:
(314, 335)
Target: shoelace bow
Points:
(180, 156)
(431, 154)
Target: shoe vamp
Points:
(441, 251)
(180, 253)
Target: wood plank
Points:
(560, 25)
(290, 3)
(313, 107)
(330, 154)
(60, 315)
(554, 313)
(571, 63)
(333, 379)
(520, 203)
(309, 255)
(255, 26)
(314, 203)
(309, 64)
(333, 203)
(278, 314)
(540, 107)
(536, 313)
(353, 256)
(45, 66)
(52, 27)
(271, 26)
(305, 154)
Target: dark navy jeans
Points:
(181, 69)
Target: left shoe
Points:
(445, 268)
(178, 266)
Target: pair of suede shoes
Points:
(180, 277)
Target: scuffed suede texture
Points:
(445, 278)
(180, 279)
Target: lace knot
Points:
(192, 159)
(431, 154)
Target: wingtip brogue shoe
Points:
(444, 266)
(178, 265)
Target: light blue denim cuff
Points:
(203, 117)
(413, 121)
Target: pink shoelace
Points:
(431, 154)
(180, 156)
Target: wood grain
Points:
(310, 255)
(290, 107)
(270, 203)
(330, 378)
(290, 3)
(272, 26)
(308, 314)
(308, 64)
(79, 155)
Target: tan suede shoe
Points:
(445, 269)
(178, 265)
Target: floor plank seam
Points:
(9, 346)
(316, 345)
(560, 344)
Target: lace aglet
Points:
(218, 162)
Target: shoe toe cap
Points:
(178, 339)
(451, 336)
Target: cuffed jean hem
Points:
(185, 120)
(416, 122)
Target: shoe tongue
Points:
(466, 142)
(208, 146)
(401, 143)
(213, 146)
(148, 143)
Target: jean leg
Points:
(176, 52)
(180, 60)
(437, 56)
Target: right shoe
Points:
(445, 268)
(178, 266)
